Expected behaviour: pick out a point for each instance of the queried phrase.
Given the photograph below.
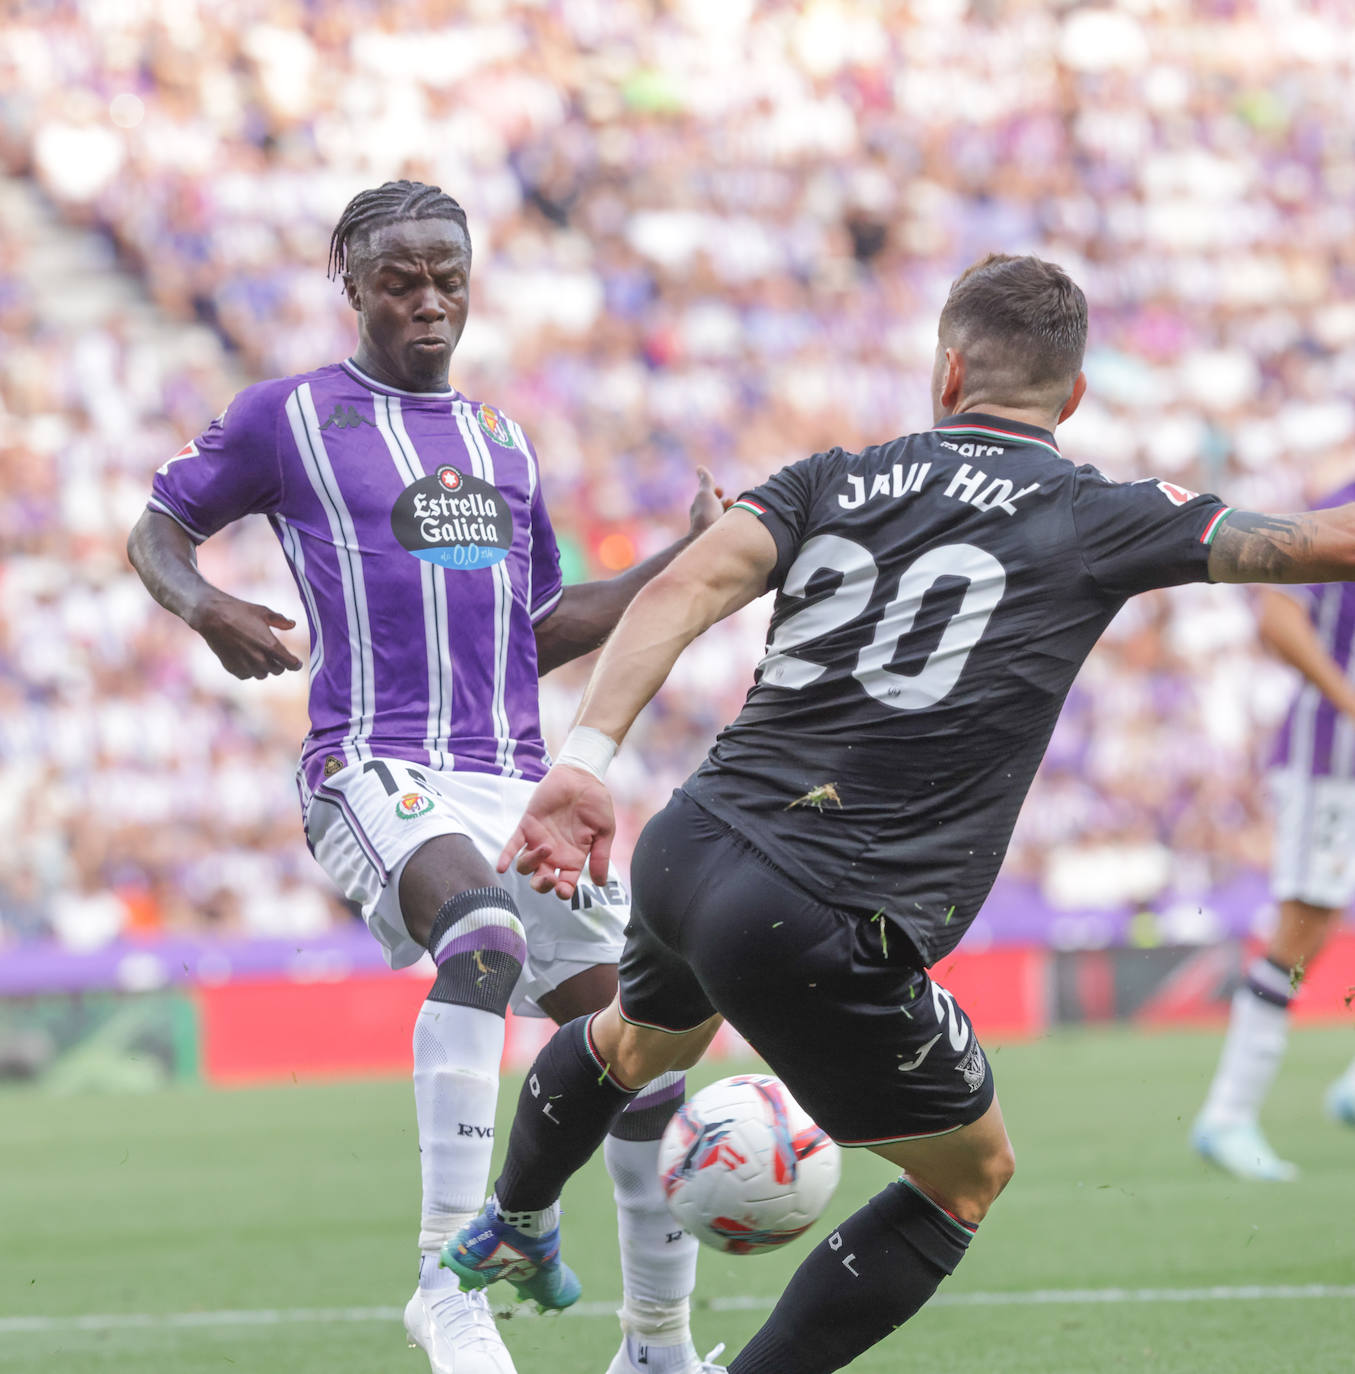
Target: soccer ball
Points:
(744, 1168)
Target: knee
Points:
(1000, 1167)
(642, 1054)
(990, 1175)
(972, 1189)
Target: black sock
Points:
(854, 1288)
(566, 1108)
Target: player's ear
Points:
(350, 290)
(1079, 391)
(952, 380)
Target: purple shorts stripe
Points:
(498, 938)
(367, 847)
(652, 1099)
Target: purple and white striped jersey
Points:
(1316, 738)
(417, 534)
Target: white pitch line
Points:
(292, 1316)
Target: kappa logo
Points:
(495, 425)
(413, 805)
(346, 417)
(189, 450)
(1178, 496)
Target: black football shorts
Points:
(866, 1042)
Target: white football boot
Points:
(1241, 1150)
(1341, 1101)
(456, 1331)
(635, 1357)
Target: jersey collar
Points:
(992, 427)
(349, 366)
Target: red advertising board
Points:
(277, 1029)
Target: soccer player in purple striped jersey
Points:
(1312, 873)
(936, 595)
(413, 520)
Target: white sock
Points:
(456, 1086)
(432, 1277)
(658, 1258)
(1258, 1031)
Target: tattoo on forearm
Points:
(1250, 547)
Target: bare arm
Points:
(723, 570)
(569, 819)
(588, 612)
(1312, 546)
(1287, 631)
(239, 633)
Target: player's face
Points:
(411, 290)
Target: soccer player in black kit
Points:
(936, 596)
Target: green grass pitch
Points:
(190, 1231)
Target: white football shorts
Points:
(1314, 859)
(365, 821)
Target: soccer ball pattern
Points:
(744, 1168)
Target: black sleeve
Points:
(1135, 536)
(785, 504)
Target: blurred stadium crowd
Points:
(710, 231)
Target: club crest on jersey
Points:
(1178, 496)
(413, 805)
(974, 1068)
(453, 519)
(494, 424)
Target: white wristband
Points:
(587, 749)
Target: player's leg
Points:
(881, 1265)
(424, 886)
(1227, 1130)
(454, 908)
(1313, 881)
(879, 1056)
(571, 1102)
(603, 1081)
(658, 1259)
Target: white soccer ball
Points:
(743, 1166)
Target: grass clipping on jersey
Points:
(825, 794)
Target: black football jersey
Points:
(936, 596)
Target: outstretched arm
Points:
(1287, 630)
(588, 611)
(570, 813)
(239, 633)
(1312, 546)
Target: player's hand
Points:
(568, 820)
(709, 503)
(240, 634)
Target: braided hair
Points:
(387, 204)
